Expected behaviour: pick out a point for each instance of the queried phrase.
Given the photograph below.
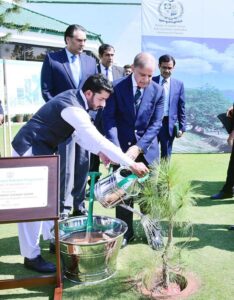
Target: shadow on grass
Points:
(113, 288)
(213, 235)
(207, 188)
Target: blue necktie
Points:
(164, 81)
(137, 98)
(106, 72)
(75, 68)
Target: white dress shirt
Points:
(75, 67)
(134, 84)
(88, 137)
(103, 71)
(166, 87)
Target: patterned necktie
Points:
(163, 81)
(137, 98)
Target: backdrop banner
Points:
(199, 35)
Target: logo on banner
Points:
(171, 11)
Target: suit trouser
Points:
(229, 184)
(74, 166)
(124, 214)
(165, 139)
(30, 232)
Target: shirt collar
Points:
(104, 68)
(69, 55)
(134, 84)
(84, 99)
(161, 79)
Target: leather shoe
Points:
(126, 241)
(222, 195)
(77, 213)
(38, 264)
(231, 227)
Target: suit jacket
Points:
(124, 127)
(1, 109)
(117, 72)
(56, 75)
(176, 104)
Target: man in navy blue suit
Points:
(61, 71)
(132, 119)
(174, 106)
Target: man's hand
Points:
(105, 160)
(230, 112)
(1, 119)
(133, 152)
(139, 169)
(231, 138)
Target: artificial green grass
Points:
(209, 255)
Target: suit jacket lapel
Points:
(172, 89)
(128, 96)
(67, 67)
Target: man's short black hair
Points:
(97, 83)
(166, 58)
(103, 48)
(70, 30)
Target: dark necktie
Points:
(137, 98)
(106, 69)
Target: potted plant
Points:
(166, 196)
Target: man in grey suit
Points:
(64, 70)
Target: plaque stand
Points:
(49, 211)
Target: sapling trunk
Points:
(165, 258)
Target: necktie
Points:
(75, 68)
(137, 98)
(164, 81)
(106, 69)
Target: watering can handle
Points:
(131, 178)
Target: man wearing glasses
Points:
(64, 70)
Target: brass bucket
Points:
(90, 262)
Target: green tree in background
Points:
(7, 9)
(202, 107)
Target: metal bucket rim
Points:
(110, 239)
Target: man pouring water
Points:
(64, 115)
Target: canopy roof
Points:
(38, 22)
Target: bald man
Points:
(132, 119)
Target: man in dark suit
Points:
(227, 189)
(106, 67)
(111, 72)
(61, 71)
(132, 119)
(174, 106)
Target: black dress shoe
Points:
(231, 227)
(222, 195)
(38, 264)
(78, 213)
(126, 241)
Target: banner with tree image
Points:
(199, 35)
